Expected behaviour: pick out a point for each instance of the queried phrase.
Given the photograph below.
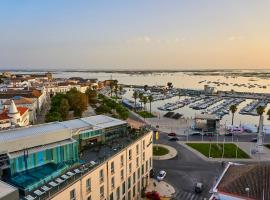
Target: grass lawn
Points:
(216, 150)
(146, 114)
(160, 151)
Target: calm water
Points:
(183, 80)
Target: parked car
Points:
(228, 134)
(174, 139)
(172, 134)
(161, 175)
(196, 133)
(154, 195)
(254, 140)
(198, 187)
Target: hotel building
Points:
(91, 158)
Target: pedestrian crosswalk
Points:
(187, 196)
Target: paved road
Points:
(186, 169)
(235, 138)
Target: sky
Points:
(134, 34)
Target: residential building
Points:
(14, 116)
(243, 181)
(20, 101)
(93, 158)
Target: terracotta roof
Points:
(22, 110)
(237, 178)
(4, 113)
(12, 93)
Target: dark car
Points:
(173, 139)
(254, 140)
(198, 187)
(172, 134)
(228, 134)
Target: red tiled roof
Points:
(22, 110)
(4, 113)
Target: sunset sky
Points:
(134, 34)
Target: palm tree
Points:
(268, 113)
(111, 87)
(260, 111)
(141, 98)
(144, 100)
(135, 96)
(150, 98)
(233, 109)
(116, 88)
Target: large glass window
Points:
(88, 185)
(101, 176)
(73, 194)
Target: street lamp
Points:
(247, 190)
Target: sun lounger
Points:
(65, 176)
(38, 192)
(52, 183)
(77, 171)
(45, 188)
(29, 197)
(70, 174)
(59, 180)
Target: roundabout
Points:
(163, 152)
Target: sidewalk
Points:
(164, 189)
(172, 153)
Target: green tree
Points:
(233, 109)
(92, 95)
(260, 111)
(111, 87)
(77, 101)
(144, 100)
(116, 89)
(53, 116)
(135, 96)
(64, 108)
(151, 99)
(141, 98)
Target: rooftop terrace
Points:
(92, 156)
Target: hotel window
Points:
(123, 188)
(130, 154)
(111, 196)
(143, 144)
(139, 173)
(112, 182)
(101, 191)
(138, 186)
(122, 174)
(88, 185)
(72, 194)
(129, 182)
(142, 169)
(129, 195)
(134, 191)
(137, 162)
(122, 160)
(112, 167)
(137, 149)
(143, 156)
(134, 177)
(150, 162)
(101, 176)
(130, 167)
(89, 198)
(146, 165)
(118, 193)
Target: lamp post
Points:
(247, 190)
